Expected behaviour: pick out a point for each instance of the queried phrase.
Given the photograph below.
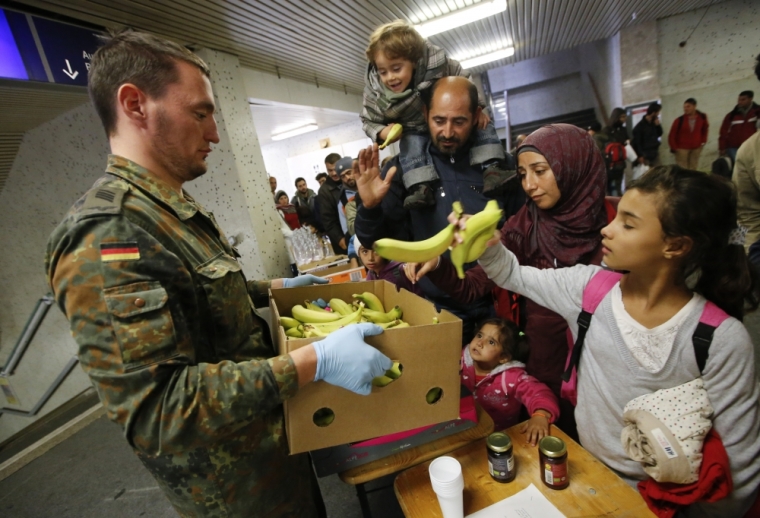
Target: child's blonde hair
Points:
(396, 40)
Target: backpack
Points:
(614, 155)
(601, 284)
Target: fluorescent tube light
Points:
(461, 17)
(487, 58)
(294, 132)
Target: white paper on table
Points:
(528, 503)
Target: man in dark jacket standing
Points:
(304, 201)
(328, 198)
(646, 137)
(739, 125)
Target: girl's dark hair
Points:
(513, 343)
(703, 208)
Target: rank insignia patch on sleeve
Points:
(119, 252)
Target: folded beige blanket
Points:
(665, 431)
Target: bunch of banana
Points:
(393, 135)
(370, 300)
(318, 322)
(418, 251)
(479, 229)
(390, 376)
(380, 317)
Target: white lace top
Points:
(650, 347)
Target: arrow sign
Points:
(69, 72)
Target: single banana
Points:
(395, 371)
(353, 318)
(312, 332)
(289, 323)
(393, 135)
(371, 301)
(418, 251)
(433, 395)
(380, 318)
(314, 307)
(294, 332)
(341, 306)
(382, 381)
(311, 316)
(387, 325)
(401, 324)
(479, 229)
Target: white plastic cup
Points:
(448, 484)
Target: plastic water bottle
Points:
(327, 248)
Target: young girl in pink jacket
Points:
(491, 369)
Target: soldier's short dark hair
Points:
(332, 158)
(144, 60)
(691, 100)
(747, 93)
(320, 176)
(299, 179)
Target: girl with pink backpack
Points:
(676, 239)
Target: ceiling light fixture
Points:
(295, 132)
(461, 17)
(487, 58)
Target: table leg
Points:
(363, 501)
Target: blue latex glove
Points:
(303, 280)
(345, 360)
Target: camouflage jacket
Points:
(164, 323)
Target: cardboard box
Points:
(322, 264)
(341, 458)
(428, 352)
(343, 273)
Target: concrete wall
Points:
(560, 83)
(713, 67)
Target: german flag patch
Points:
(119, 252)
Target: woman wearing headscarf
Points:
(564, 176)
(287, 211)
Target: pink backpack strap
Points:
(597, 288)
(712, 317)
(593, 294)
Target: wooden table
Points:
(594, 489)
(404, 459)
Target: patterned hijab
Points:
(569, 232)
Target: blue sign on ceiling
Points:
(50, 51)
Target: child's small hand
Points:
(483, 120)
(384, 132)
(537, 428)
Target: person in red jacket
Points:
(739, 125)
(688, 135)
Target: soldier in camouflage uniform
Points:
(162, 314)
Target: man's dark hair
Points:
(691, 100)
(299, 179)
(332, 158)
(747, 93)
(429, 93)
(320, 176)
(595, 126)
(144, 60)
(654, 108)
